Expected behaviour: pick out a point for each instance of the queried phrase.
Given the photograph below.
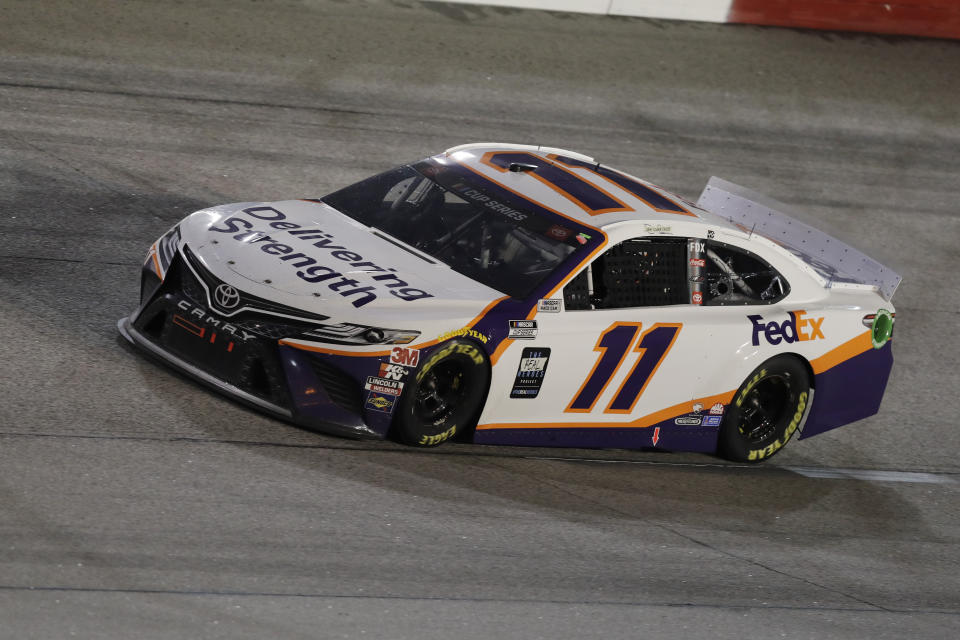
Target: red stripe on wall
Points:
(930, 18)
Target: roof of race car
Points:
(576, 185)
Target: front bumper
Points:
(241, 358)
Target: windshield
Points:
(489, 240)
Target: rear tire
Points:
(766, 411)
(445, 396)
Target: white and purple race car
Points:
(512, 294)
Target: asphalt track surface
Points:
(135, 504)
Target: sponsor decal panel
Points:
(405, 356)
(698, 262)
(796, 329)
(717, 409)
(549, 306)
(712, 421)
(688, 420)
(522, 329)
(383, 386)
(697, 297)
(530, 372)
(297, 248)
(390, 371)
(656, 228)
(380, 402)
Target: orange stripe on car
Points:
(849, 349)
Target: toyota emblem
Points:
(226, 296)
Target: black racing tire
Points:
(444, 398)
(766, 411)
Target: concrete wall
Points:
(930, 18)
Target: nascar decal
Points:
(522, 329)
(549, 306)
(530, 372)
(307, 266)
(797, 328)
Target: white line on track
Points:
(867, 475)
(873, 475)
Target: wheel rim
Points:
(439, 394)
(764, 408)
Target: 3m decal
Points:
(797, 328)
(405, 356)
(530, 372)
(583, 193)
(613, 344)
(549, 306)
(522, 329)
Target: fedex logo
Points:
(796, 328)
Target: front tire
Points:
(445, 397)
(766, 411)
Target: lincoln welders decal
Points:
(383, 386)
(307, 267)
(530, 373)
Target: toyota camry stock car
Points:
(511, 294)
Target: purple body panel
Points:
(850, 391)
(671, 437)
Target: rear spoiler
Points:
(835, 261)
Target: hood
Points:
(308, 255)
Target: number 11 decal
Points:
(653, 345)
